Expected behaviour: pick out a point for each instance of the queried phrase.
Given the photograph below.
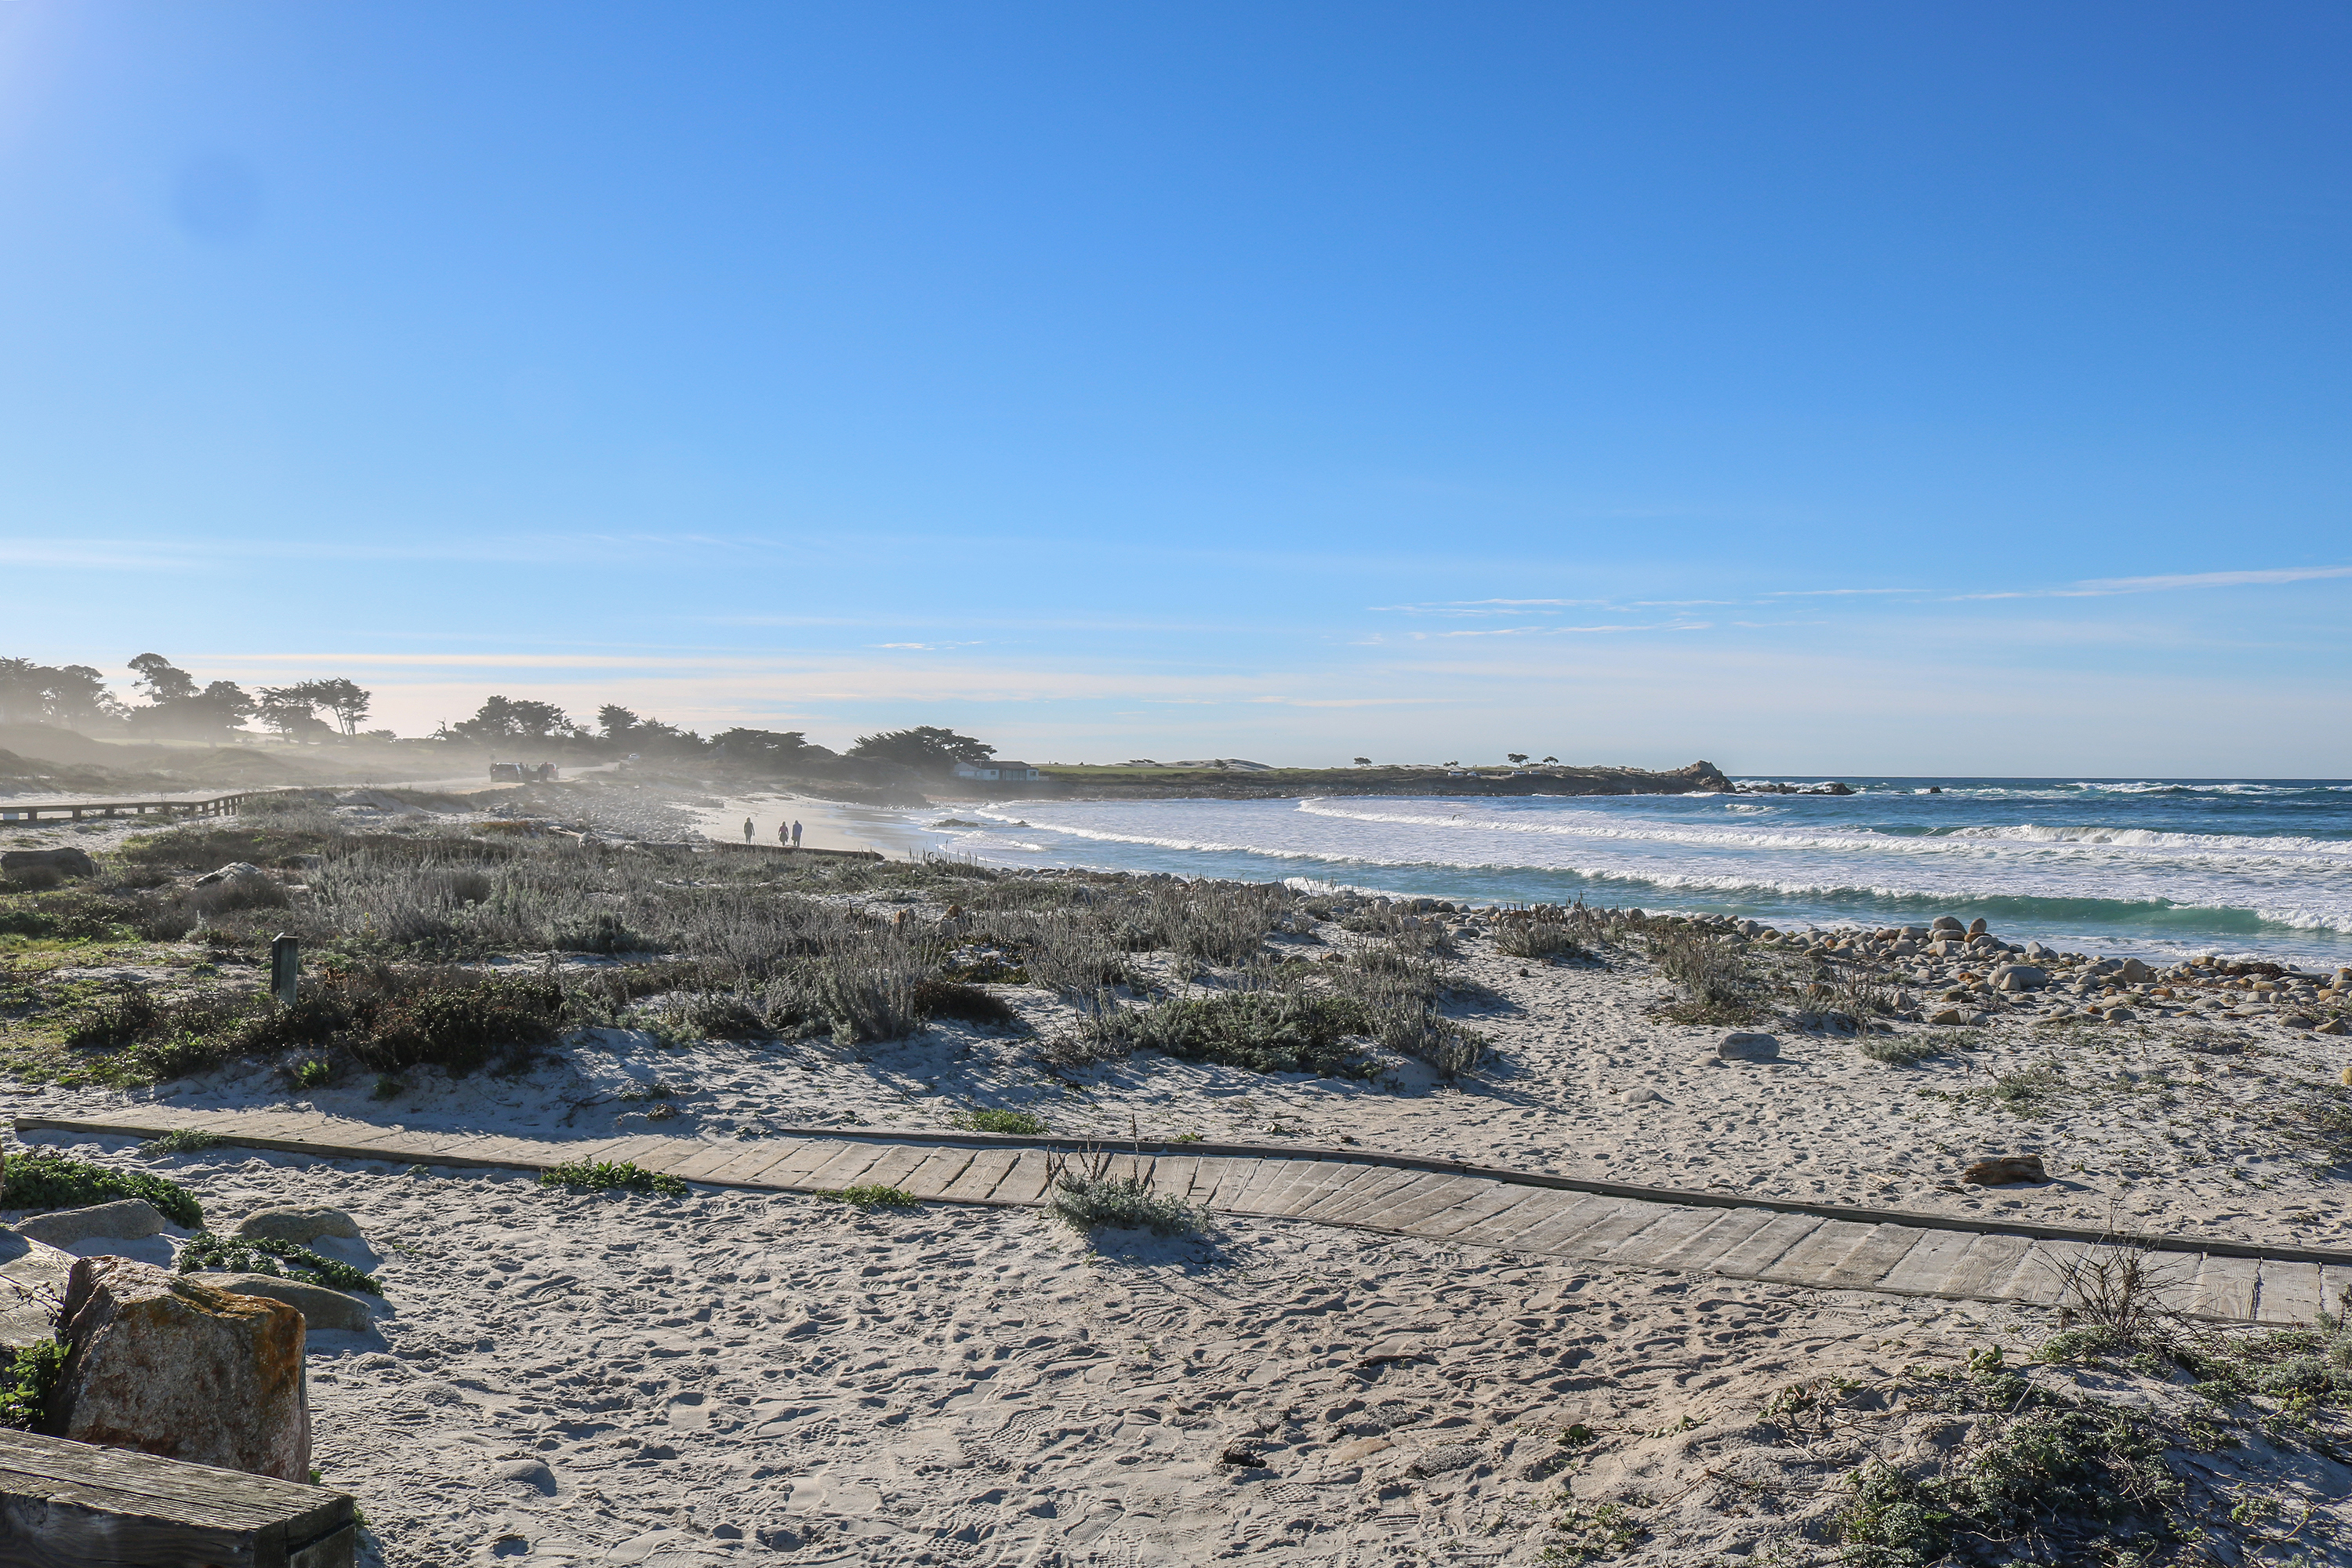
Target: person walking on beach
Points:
(796, 835)
(746, 830)
(784, 834)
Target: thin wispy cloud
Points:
(1565, 631)
(1487, 607)
(1833, 592)
(2104, 587)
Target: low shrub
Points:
(383, 1018)
(57, 1182)
(609, 1175)
(1259, 1031)
(26, 922)
(180, 1140)
(1898, 1050)
(876, 1196)
(965, 1003)
(2072, 1479)
(1102, 1201)
(1545, 933)
(28, 1373)
(114, 1019)
(208, 1253)
(1013, 1122)
(77, 915)
(463, 1027)
(1716, 983)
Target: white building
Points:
(996, 770)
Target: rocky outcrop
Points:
(67, 862)
(160, 1363)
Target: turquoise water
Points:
(2167, 866)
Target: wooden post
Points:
(284, 969)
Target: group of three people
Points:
(788, 834)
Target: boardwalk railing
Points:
(76, 810)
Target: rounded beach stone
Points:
(1748, 1047)
(298, 1223)
(320, 1307)
(2020, 977)
(126, 1219)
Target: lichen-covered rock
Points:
(301, 1224)
(160, 1363)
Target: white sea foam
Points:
(2192, 873)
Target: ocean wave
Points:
(2244, 851)
(2033, 899)
(2267, 847)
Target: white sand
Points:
(568, 1379)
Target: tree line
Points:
(76, 696)
(177, 706)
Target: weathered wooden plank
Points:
(1748, 1258)
(1921, 1272)
(1810, 1261)
(812, 1155)
(1488, 1203)
(987, 1167)
(1220, 1177)
(1417, 1202)
(2224, 1287)
(1540, 1207)
(1698, 1252)
(1025, 1182)
(1530, 1229)
(898, 1161)
(1989, 1260)
(2287, 1292)
(844, 1169)
(1307, 1180)
(1172, 1174)
(937, 1174)
(1597, 1240)
(71, 1505)
(2334, 1286)
(1367, 1201)
(2041, 1275)
(1666, 1233)
(695, 1164)
(1437, 1193)
(754, 1155)
(1883, 1248)
(1248, 1196)
(1368, 1183)
(619, 1151)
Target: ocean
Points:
(2160, 867)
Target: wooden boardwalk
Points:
(1821, 1246)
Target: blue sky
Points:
(1808, 387)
